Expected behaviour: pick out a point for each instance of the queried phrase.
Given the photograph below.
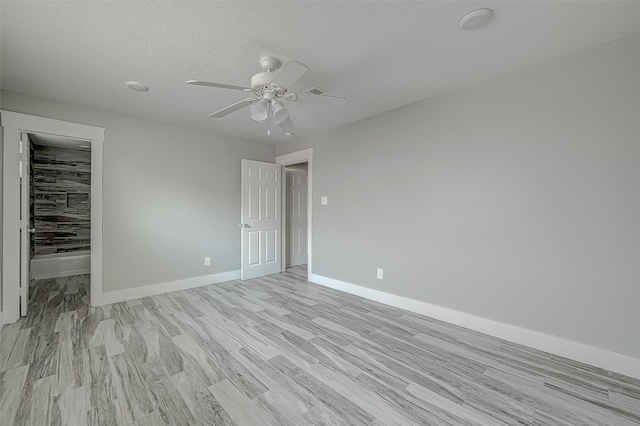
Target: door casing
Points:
(25, 215)
(295, 218)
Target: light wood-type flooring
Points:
(281, 351)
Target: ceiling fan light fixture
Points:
(280, 113)
(259, 111)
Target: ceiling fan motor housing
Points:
(269, 63)
(261, 82)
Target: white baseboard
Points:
(40, 276)
(597, 357)
(167, 287)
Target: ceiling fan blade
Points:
(220, 85)
(309, 98)
(287, 127)
(238, 105)
(289, 73)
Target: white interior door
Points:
(297, 223)
(25, 246)
(261, 222)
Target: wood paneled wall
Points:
(62, 189)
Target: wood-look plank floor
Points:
(281, 351)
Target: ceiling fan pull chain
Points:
(269, 119)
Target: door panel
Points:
(271, 246)
(302, 241)
(254, 202)
(271, 201)
(261, 221)
(254, 247)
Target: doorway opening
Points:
(296, 253)
(296, 226)
(59, 234)
(16, 247)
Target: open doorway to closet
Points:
(18, 132)
(296, 217)
(59, 203)
(297, 222)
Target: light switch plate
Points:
(324, 201)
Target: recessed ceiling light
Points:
(138, 87)
(476, 19)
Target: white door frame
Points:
(296, 255)
(25, 222)
(287, 160)
(13, 124)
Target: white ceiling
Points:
(380, 55)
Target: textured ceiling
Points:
(380, 55)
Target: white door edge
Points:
(25, 224)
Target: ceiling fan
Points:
(268, 89)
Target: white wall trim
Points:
(1, 321)
(166, 287)
(13, 124)
(597, 357)
(96, 220)
(285, 160)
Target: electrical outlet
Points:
(380, 273)
(324, 201)
(207, 261)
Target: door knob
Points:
(32, 230)
(243, 225)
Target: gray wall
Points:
(517, 200)
(171, 195)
